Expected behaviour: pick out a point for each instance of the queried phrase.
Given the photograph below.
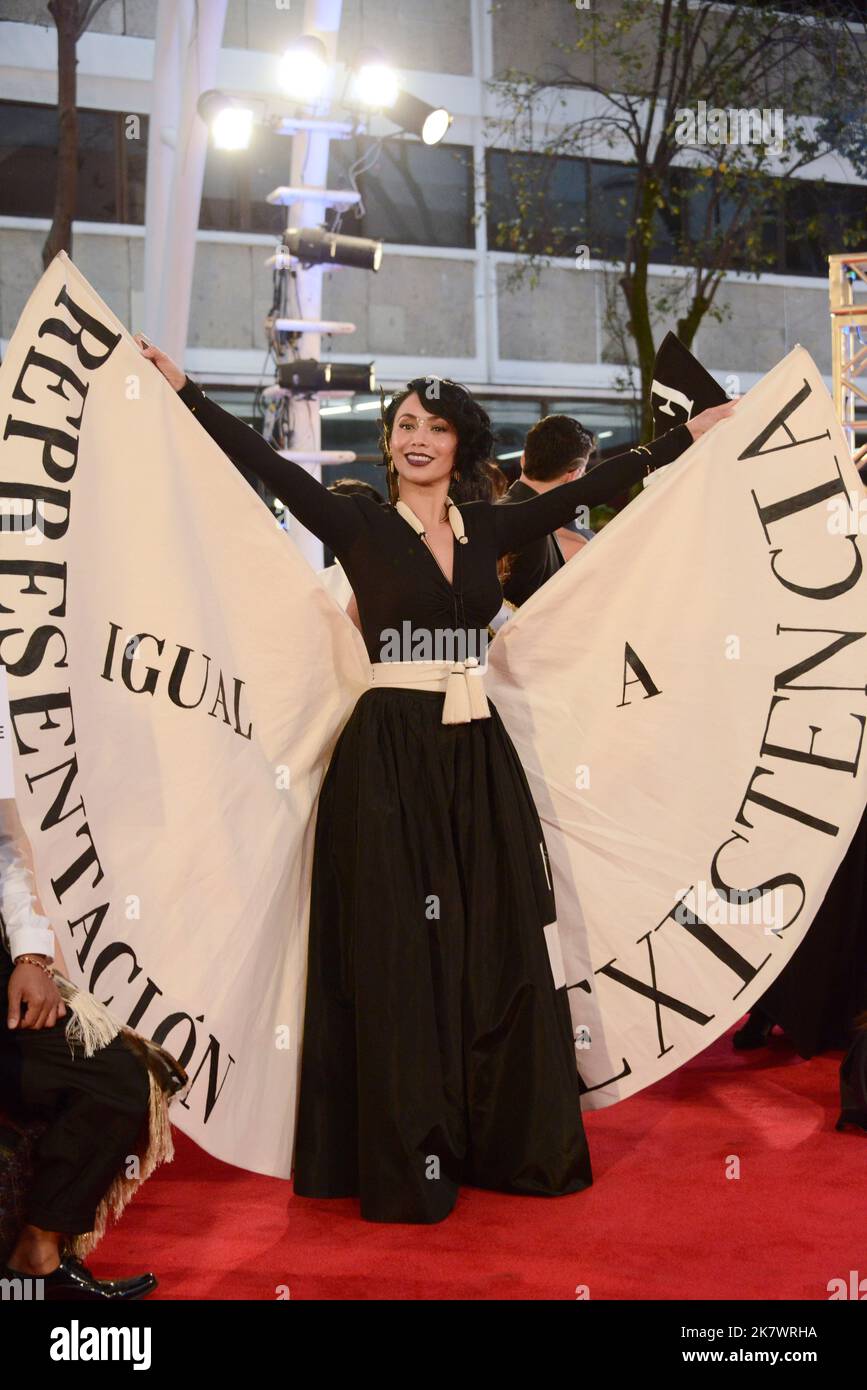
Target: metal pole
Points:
(310, 168)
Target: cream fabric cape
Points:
(178, 676)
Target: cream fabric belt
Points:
(462, 682)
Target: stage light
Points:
(232, 129)
(304, 377)
(416, 117)
(303, 69)
(313, 246)
(376, 82)
(352, 376)
(230, 123)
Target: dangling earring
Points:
(392, 479)
(456, 475)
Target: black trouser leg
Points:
(95, 1108)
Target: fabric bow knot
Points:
(465, 693)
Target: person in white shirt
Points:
(91, 1101)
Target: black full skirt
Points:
(436, 1047)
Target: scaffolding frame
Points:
(847, 284)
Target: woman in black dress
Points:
(436, 1047)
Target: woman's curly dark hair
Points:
(453, 402)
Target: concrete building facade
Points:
(442, 301)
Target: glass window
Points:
(268, 165)
(612, 188)
(28, 159)
(709, 211)
(668, 222)
(414, 194)
(111, 167)
(821, 220)
(134, 165)
(803, 230)
(544, 205)
(762, 247)
(221, 191)
(98, 167)
(547, 205)
(536, 203)
(237, 183)
(28, 162)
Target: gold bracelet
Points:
(643, 449)
(34, 960)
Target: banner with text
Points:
(688, 698)
(177, 678)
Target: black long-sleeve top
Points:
(534, 564)
(395, 577)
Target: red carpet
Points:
(662, 1220)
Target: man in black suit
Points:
(556, 451)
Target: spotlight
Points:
(417, 118)
(352, 376)
(313, 246)
(376, 82)
(303, 69)
(231, 124)
(307, 377)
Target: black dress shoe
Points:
(755, 1032)
(72, 1282)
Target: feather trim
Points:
(91, 1027)
(155, 1147)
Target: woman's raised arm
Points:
(519, 523)
(331, 517)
